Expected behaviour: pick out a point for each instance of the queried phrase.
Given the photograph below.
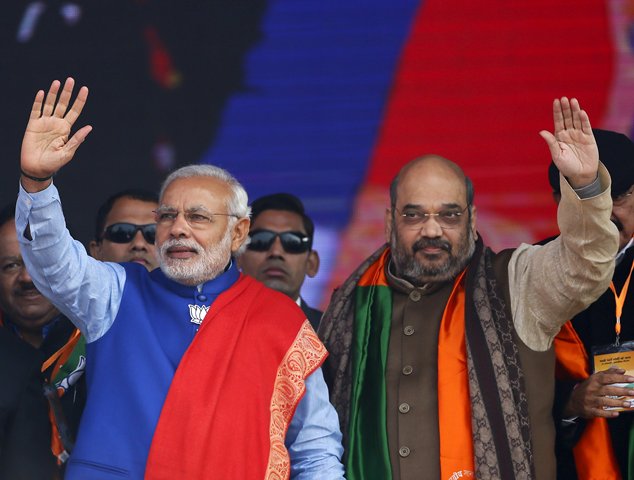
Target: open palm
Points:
(572, 146)
(46, 146)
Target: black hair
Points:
(285, 202)
(106, 207)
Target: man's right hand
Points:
(46, 146)
(590, 397)
(572, 145)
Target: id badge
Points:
(620, 356)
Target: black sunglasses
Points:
(292, 242)
(125, 232)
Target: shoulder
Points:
(11, 347)
(134, 270)
(313, 315)
(267, 296)
(269, 303)
(23, 358)
(501, 261)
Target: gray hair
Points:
(238, 201)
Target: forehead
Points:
(431, 184)
(130, 210)
(187, 193)
(9, 246)
(278, 221)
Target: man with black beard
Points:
(441, 351)
(194, 371)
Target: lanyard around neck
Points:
(59, 357)
(619, 299)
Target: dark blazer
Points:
(595, 327)
(25, 431)
(313, 315)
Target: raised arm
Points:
(550, 284)
(46, 146)
(87, 291)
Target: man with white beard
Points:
(189, 373)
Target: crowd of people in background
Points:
(178, 345)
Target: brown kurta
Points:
(412, 381)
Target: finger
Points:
(575, 108)
(600, 412)
(78, 105)
(64, 98)
(585, 122)
(613, 370)
(605, 378)
(36, 110)
(553, 144)
(615, 403)
(51, 96)
(75, 141)
(566, 112)
(558, 116)
(616, 391)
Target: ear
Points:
(239, 233)
(388, 225)
(473, 227)
(94, 247)
(312, 263)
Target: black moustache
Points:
(26, 289)
(431, 242)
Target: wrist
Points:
(33, 186)
(569, 410)
(581, 182)
(36, 179)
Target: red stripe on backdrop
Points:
(476, 83)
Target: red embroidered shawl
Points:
(236, 389)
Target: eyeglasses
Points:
(621, 199)
(447, 219)
(125, 232)
(292, 242)
(196, 218)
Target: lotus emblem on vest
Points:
(197, 313)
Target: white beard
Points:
(204, 266)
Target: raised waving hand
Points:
(47, 145)
(572, 146)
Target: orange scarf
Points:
(594, 457)
(236, 390)
(454, 404)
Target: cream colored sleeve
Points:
(550, 284)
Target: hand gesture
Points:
(572, 147)
(46, 146)
(590, 397)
